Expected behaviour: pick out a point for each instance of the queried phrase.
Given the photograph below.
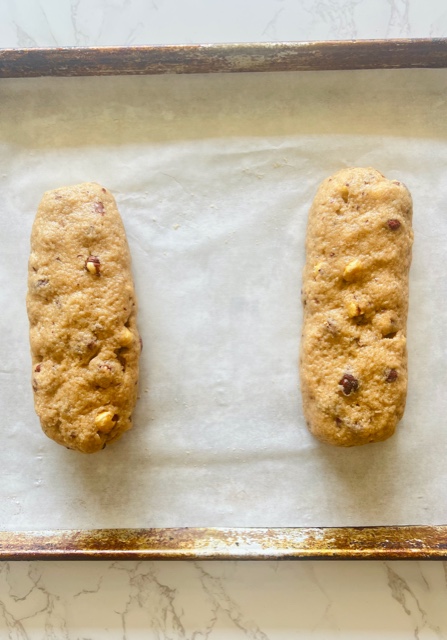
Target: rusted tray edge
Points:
(344, 543)
(224, 58)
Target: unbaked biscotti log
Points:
(82, 310)
(353, 364)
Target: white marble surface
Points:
(266, 600)
(42, 23)
(201, 600)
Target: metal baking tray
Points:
(383, 542)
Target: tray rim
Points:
(224, 58)
(189, 543)
(285, 543)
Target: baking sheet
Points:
(213, 176)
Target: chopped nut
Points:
(93, 265)
(318, 267)
(393, 224)
(354, 310)
(352, 270)
(349, 384)
(104, 421)
(125, 337)
(37, 368)
(99, 208)
(391, 375)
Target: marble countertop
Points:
(199, 600)
(43, 23)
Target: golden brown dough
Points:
(353, 363)
(82, 311)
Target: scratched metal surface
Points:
(346, 543)
(224, 58)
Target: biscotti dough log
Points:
(82, 311)
(355, 295)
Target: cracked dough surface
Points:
(353, 364)
(82, 310)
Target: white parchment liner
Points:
(214, 176)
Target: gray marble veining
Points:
(200, 600)
(41, 23)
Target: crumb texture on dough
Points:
(353, 364)
(82, 310)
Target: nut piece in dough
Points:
(352, 270)
(354, 309)
(104, 421)
(125, 337)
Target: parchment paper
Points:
(214, 176)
